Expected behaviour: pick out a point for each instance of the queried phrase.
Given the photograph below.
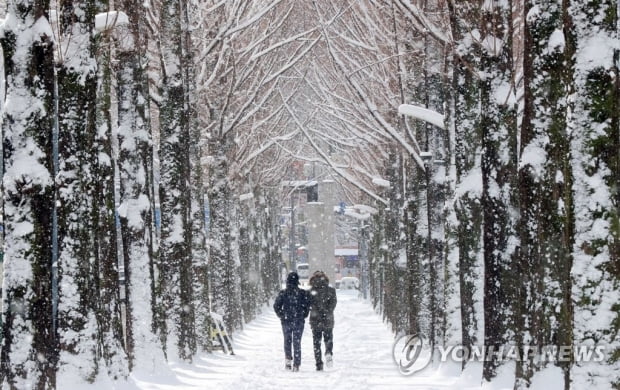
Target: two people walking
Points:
(293, 305)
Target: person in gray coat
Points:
(322, 304)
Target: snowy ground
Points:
(362, 359)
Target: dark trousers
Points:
(328, 336)
(292, 338)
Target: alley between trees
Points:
(164, 164)
(362, 359)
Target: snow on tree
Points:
(77, 214)
(466, 148)
(594, 125)
(507, 234)
(498, 167)
(29, 348)
(243, 44)
(109, 312)
(175, 189)
(199, 245)
(136, 204)
(545, 201)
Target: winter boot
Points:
(295, 368)
(319, 366)
(328, 360)
(288, 364)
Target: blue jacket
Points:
(292, 304)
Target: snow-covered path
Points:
(362, 358)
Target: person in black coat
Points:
(292, 306)
(323, 303)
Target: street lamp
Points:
(426, 157)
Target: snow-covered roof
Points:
(299, 183)
(345, 252)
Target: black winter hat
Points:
(292, 279)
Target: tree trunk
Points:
(175, 188)
(224, 279)
(135, 164)
(595, 161)
(544, 193)
(499, 154)
(77, 216)
(106, 274)
(29, 340)
(468, 194)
